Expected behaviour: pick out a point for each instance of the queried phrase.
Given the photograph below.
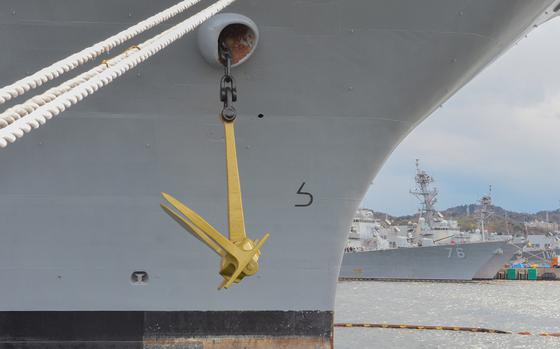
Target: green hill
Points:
(467, 217)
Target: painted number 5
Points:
(308, 195)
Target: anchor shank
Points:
(235, 203)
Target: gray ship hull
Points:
(337, 82)
(445, 262)
(497, 262)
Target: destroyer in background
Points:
(432, 249)
(535, 248)
(87, 257)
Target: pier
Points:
(534, 274)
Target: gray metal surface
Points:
(497, 262)
(445, 262)
(337, 81)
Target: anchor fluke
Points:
(239, 258)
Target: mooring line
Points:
(443, 328)
(36, 113)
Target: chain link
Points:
(228, 90)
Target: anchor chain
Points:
(239, 253)
(228, 89)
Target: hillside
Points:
(467, 217)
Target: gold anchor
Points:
(239, 254)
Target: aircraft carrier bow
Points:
(88, 259)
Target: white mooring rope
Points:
(20, 110)
(65, 65)
(75, 90)
(17, 112)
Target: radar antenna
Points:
(425, 195)
(484, 212)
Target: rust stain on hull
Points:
(239, 342)
(240, 39)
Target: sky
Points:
(502, 129)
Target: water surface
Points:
(505, 305)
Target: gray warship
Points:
(434, 248)
(535, 249)
(540, 249)
(88, 259)
(511, 250)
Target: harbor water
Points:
(514, 306)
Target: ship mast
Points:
(485, 211)
(425, 195)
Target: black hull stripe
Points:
(71, 345)
(44, 329)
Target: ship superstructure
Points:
(432, 227)
(484, 212)
(88, 257)
(434, 248)
(534, 248)
(427, 198)
(378, 251)
(539, 248)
